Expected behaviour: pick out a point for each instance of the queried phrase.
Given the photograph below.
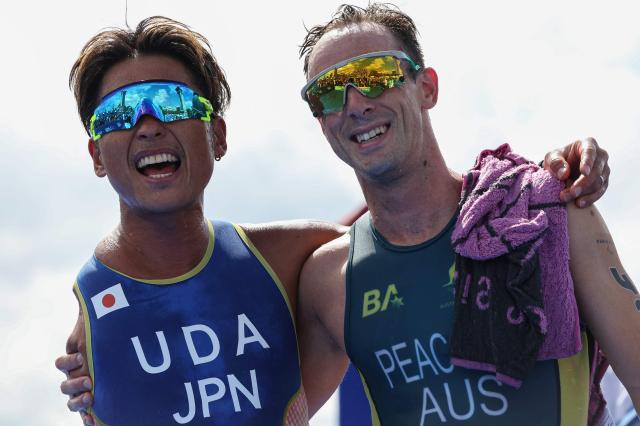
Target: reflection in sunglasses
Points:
(166, 102)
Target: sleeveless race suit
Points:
(216, 346)
(398, 319)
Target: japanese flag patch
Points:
(109, 300)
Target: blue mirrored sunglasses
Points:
(164, 100)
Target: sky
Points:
(537, 75)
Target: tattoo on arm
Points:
(607, 242)
(625, 281)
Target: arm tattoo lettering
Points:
(625, 282)
(607, 242)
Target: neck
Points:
(156, 245)
(416, 206)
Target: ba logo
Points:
(372, 303)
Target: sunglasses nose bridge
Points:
(146, 107)
(148, 120)
(357, 104)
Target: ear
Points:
(94, 152)
(220, 137)
(427, 79)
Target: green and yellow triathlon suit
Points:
(399, 311)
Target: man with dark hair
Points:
(159, 345)
(181, 318)
(153, 35)
(454, 296)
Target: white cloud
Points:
(161, 95)
(38, 312)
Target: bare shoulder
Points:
(589, 235)
(591, 245)
(328, 260)
(589, 217)
(294, 240)
(323, 276)
(107, 249)
(296, 234)
(286, 245)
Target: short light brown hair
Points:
(153, 35)
(384, 14)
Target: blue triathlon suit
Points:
(215, 346)
(398, 319)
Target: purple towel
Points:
(510, 207)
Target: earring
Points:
(217, 157)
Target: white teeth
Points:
(156, 159)
(159, 176)
(363, 137)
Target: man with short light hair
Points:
(507, 346)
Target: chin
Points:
(382, 173)
(163, 207)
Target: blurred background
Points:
(537, 75)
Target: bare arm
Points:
(286, 245)
(77, 385)
(321, 322)
(608, 300)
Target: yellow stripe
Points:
(87, 328)
(203, 262)
(574, 387)
(375, 420)
(266, 266)
(245, 238)
(87, 333)
(96, 420)
(296, 395)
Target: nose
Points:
(149, 128)
(356, 104)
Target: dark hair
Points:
(385, 14)
(153, 35)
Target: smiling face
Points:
(379, 137)
(155, 166)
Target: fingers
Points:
(80, 402)
(77, 386)
(555, 163)
(579, 157)
(573, 189)
(86, 418)
(588, 149)
(586, 190)
(591, 176)
(595, 183)
(71, 387)
(69, 362)
(601, 164)
(595, 190)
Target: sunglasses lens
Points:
(165, 101)
(371, 76)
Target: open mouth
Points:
(365, 137)
(158, 166)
